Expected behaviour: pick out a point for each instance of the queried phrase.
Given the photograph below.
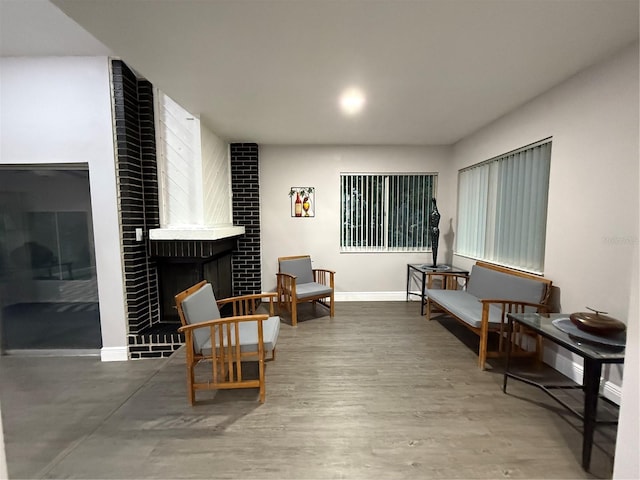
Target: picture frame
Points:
(303, 202)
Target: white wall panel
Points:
(195, 174)
(178, 134)
(216, 179)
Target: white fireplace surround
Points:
(194, 177)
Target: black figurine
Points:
(434, 231)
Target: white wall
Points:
(592, 223)
(379, 276)
(58, 110)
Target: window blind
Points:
(502, 208)
(385, 212)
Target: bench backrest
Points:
(488, 281)
(298, 266)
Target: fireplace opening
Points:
(182, 264)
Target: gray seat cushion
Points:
(201, 306)
(249, 336)
(312, 289)
(464, 305)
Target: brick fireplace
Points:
(157, 269)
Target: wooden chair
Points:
(298, 282)
(225, 342)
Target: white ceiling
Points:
(270, 71)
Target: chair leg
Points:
(262, 386)
(294, 313)
(331, 307)
(191, 392)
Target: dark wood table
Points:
(595, 355)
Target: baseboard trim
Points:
(574, 370)
(371, 296)
(61, 352)
(114, 354)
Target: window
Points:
(385, 212)
(502, 208)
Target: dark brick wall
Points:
(138, 196)
(246, 212)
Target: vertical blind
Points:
(385, 212)
(502, 208)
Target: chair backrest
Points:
(197, 307)
(299, 266)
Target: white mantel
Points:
(195, 233)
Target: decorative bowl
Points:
(597, 323)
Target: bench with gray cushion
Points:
(491, 292)
(226, 342)
(298, 282)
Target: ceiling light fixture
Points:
(352, 101)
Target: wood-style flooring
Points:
(376, 392)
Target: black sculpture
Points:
(434, 231)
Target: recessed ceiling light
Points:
(352, 101)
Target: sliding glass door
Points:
(47, 261)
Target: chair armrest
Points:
(323, 276)
(286, 283)
(247, 304)
(223, 321)
(324, 270)
(286, 276)
(507, 306)
(514, 306)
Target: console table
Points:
(594, 354)
(421, 275)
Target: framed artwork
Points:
(303, 201)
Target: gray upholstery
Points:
(464, 305)
(485, 283)
(249, 336)
(300, 267)
(312, 289)
(200, 307)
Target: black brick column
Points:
(245, 187)
(151, 192)
(138, 197)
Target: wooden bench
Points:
(489, 293)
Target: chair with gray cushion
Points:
(298, 282)
(225, 342)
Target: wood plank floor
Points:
(375, 393)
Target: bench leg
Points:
(484, 340)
